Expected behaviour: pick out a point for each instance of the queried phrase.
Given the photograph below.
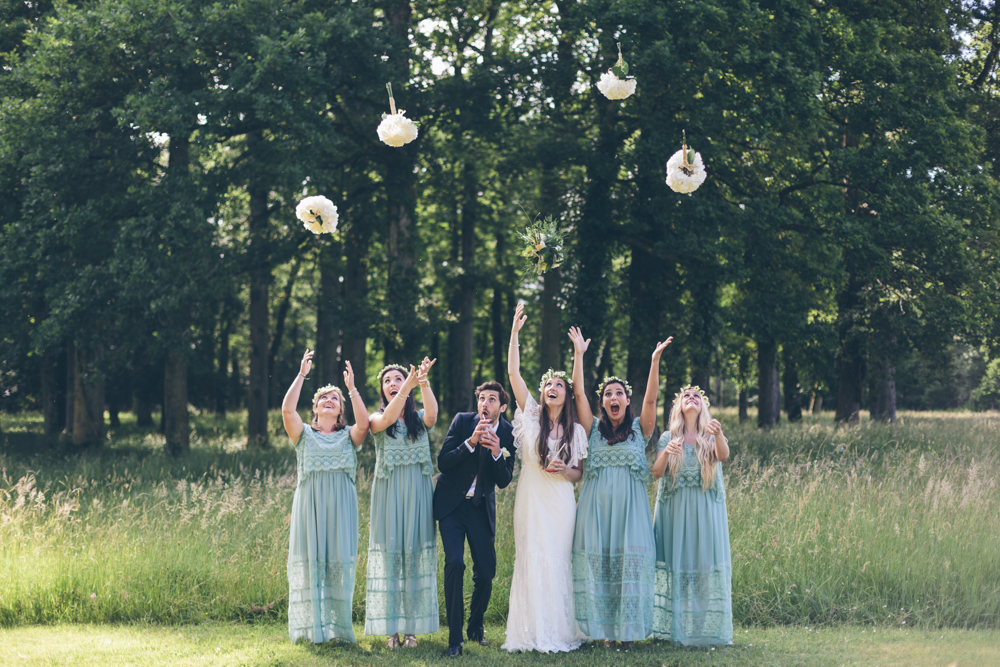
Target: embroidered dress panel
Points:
(693, 600)
(613, 549)
(401, 591)
(323, 538)
(400, 450)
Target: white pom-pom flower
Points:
(614, 88)
(318, 214)
(397, 130)
(682, 177)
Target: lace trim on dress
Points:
(526, 432)
(402, 592)
(704, 604)
(629, 454)
(319, 452)
(391, 452)
(320, 600)
(690, 476)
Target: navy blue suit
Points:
(460, 518)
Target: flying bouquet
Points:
(318, 214)
(543, 246)
(613, 84)
(396, 129)
(685, 170)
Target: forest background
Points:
(843, 253)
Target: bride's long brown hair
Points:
(568, 421)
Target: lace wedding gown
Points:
(541, 614)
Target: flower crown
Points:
(392, 367)
(701, 391)
(549, 374)
(608, 379)
(326, 389)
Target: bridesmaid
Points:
(613, 549)
(402, 542)
(694, 602)
(323, 535)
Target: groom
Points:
(477, 456)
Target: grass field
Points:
(874, 526)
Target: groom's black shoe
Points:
(453, 651)
(479, 636)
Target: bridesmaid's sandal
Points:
(393, 641)
(410, 641)
(628, 644)
(608, 643)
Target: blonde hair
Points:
(341, 423)
(704, 443)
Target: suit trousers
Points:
(467, 521)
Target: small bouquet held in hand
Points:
(685, 170)
(396, 129)
(543, 246)
(318, 214)
(613, 84)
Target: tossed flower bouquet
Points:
(318, 214)
(685, 170)
(613, 84)
(396, 129)
(543, 246)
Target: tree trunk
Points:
(500, 340)
(88, 403)
(648, 283)
(742, 398)
(718, 391)
(767, 380)
(887, 392)
(260, 280)
(282, 315)
(461, 339)
(176, 426)
(50, 394)
(328, 318)
(793, 398)
(222, 364)
(552, 333)
(70, 392)
(355, 305)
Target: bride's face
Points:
(554, 393)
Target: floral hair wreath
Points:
(550, 374)
(608, 379)
(392, 367)
(701, 391)
(326, 389)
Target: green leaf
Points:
(620, 70)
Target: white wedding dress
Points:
(541, 614)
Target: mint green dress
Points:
(613, 550)
(402, 543)
(323, 538)
(694, 572)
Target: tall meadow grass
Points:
(876, 524)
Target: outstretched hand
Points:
(579, 344)
(425, 366)
(519, 318)
(673, 448)
(307, 363)
(349, 377)
(660, 347)
(411, 381)
(714, 428)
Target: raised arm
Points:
(360, 429)
(517, 384)
(385, 419)
(584, 415)
(289, 416)
(714, 429)
(647, 419)
(427, 397)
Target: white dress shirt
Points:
(472, 448)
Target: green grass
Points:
(887, 526)
(267, 644)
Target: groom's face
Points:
(489, 405)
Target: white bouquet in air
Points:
(685, 170)
(613, 84)
(318, 214)
(396, 129)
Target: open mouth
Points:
(552, 395)
(615, 409)
(393, 392)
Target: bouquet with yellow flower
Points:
(318, 214)
(685, 170)
(543, 246)
(613, 84)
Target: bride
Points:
(541, 614)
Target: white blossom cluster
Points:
(614, 88)
(682, 182)
(397, 130)
(318, 214)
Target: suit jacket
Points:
(459, 467)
